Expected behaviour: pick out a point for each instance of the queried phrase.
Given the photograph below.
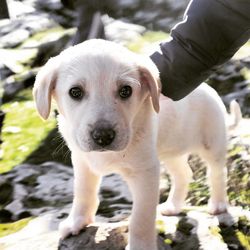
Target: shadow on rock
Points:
(53, 148)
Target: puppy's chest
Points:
(107, 163)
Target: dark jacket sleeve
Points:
(210, 34)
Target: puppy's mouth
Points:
(104, 149)
(90, 146)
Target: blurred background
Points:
(35, 167)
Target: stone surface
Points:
(14, 32)
(40, 234)
(121, 32)
(194, 229)
(101, 236)
(231, 84)
(34, 189)
(97, 237)
(13, 84)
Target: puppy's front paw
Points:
(169, 208)
(73, 225)
(217, 207)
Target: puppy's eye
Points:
(125, 92)
(76, 93)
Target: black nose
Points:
(103, 136)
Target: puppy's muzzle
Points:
(103, 135)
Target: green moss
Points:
(243, 221)
(18, 59)
(246, 73)
(27, 73)
(46, 35)
(168, 241)
(160, 227)
(243, 232)
(243, 239)
(9, 228)
(153, 36)
(23, 130)
(147, 39)
(236, 150)
(198, 192)
(216, 232)
(243, 51)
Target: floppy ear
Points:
(149, 77)
(44, 85)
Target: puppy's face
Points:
(99, 88)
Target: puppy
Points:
(108, 100)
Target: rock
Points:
(4, 71)
(97, 237)
(102, 236)
(16, 61)
(164, 23)
(14, 38)
(7, 26)
(52, 5)
(242, 96)
(18, 30)
(246, 61)
(226, 76)
(11, 87)
(230, 82)
(18, 9)
(121, 32)
(6, 191)
(199, 230)
(13, 84)
(39, 234)
(178, 5)
(194, 229)
(35, 189)
(146, 15)
(39, 188)
(58, 13)
(130, 4)
(38, 22)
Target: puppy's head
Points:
(99, 88)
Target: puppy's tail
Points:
(235, 115)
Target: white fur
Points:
(195, 124)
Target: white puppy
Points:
(108, 100)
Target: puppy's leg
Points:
(85, 203)
(181, 175)
(144, 186)
(217, 178)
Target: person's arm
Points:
(211, 33)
